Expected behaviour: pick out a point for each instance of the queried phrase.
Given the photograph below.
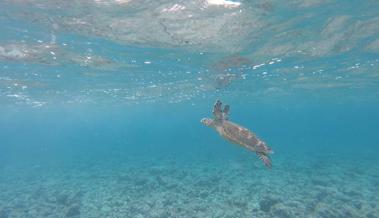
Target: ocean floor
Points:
(170, 186)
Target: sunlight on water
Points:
(230, 46)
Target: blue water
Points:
(101, 102)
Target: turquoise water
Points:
(101, 102)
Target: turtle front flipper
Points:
(217, 111)
(265, 158)
(225, 112)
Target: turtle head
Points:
(207, 121)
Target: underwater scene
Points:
(193, 109)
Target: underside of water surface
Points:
(101, 102)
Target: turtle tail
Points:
(265, 158)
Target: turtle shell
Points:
(239, 135)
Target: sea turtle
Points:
(236, 133)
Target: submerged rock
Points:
(267, 203)
(73, 211)
(63, 199)
(281, 212)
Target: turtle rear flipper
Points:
(265, 158)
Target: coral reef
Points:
(197, 188)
